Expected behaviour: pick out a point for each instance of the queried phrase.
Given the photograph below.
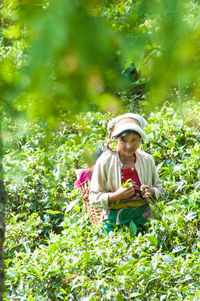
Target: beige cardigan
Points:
(106, 176)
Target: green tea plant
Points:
(53, 253)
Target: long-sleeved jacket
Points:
(106, 176)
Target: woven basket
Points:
(94, 213)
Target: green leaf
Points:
(132, 295)
(70, 206)
(178, 249)
(133, 228)
(52, 212)
(153, 240)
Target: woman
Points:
(125, 205)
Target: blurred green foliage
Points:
(77, 55)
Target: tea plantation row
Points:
(51, 250)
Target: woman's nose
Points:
(129, 145)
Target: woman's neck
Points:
(128, 162)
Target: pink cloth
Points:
(85, 175)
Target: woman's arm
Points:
(98, 195)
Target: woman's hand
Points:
(147, 191)
(123, 193)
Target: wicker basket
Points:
(94, 213)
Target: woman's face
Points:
(128, 144)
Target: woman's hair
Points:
(124, 133)
(110, 139)
(108, 142)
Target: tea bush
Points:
(53, 253)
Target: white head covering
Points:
(128, 121)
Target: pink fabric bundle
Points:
(85, 175)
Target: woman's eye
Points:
(133, 141)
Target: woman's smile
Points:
(128, 144)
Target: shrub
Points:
(57, 255)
